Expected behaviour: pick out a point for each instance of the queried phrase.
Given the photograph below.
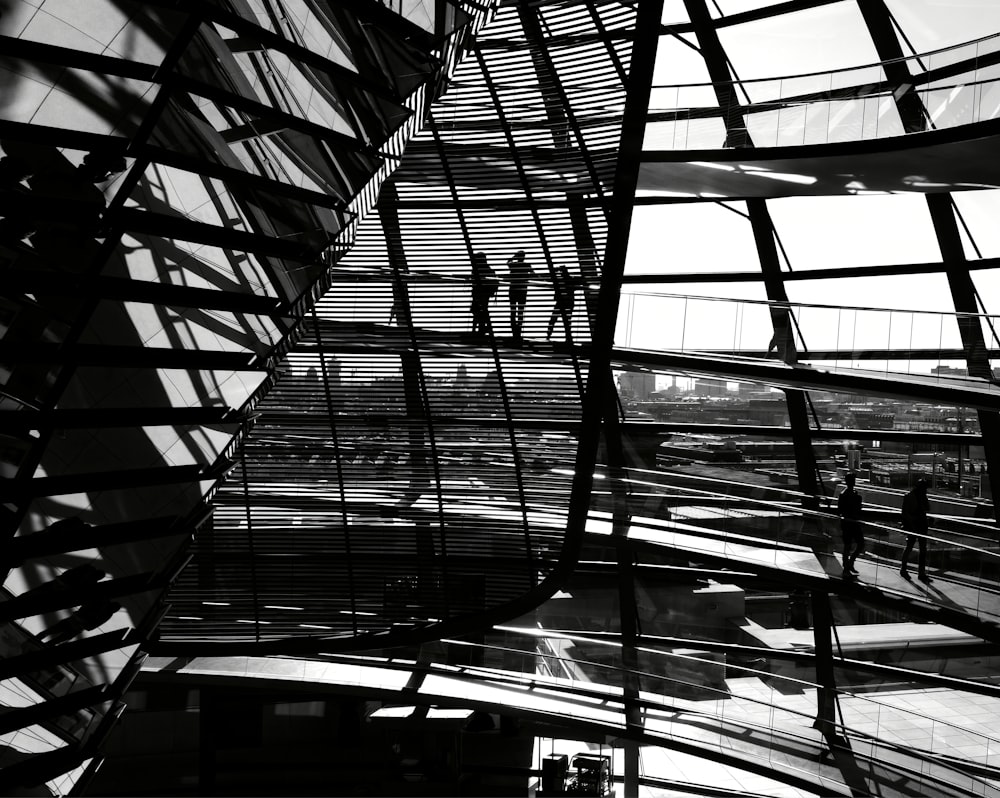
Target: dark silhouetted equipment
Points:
(593, 775)
(554, 770)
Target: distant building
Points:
(637, 385)
(949, 371)
(710, 388)
(873, 417)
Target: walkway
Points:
(955, 159)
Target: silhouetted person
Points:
(782, 343)
(849, 510)
(519, 273)
(81, 576)
(915, 507)
(484, 286)
(98, 167)
(564, 289)
(78, 578)
(89, 616)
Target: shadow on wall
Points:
(57, 231)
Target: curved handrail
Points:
(832, 517)
(587, 691)
(884, 533)
(788, 305)
(668, 322)
(542, 633)
(876, 65)
(806, 512)
(773, 730)
(785, 113)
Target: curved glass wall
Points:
(564, 438)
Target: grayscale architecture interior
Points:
(464, 397)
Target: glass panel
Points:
(977, 210)
(120, 387)
(73, 99)
(924, 292)
(869, 230)
(124, 28)
(178, 262)
(774, 47)
(929, 25)
(674, 11)
(699, 237)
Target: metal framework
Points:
(274, 363)
(171, 208)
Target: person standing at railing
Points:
(849, 509)
(484, 287)
(915, 507)
(564, 290)
(519, 272)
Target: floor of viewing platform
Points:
(949, 724)
(959, 592)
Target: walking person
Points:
(849, 510)
(915, 507)
(782, 343)
(519, 273)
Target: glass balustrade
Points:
(740, 531)
(925, 346)
(725, 521)
(746, 706)
(765, 706)
(855, 104)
